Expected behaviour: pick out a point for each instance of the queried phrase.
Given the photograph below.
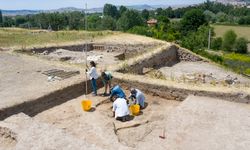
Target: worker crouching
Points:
(137, 97)
(120, 109)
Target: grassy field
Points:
(241, 31)
(22, 38)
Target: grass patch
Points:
(238, 57)
(22, 38)
(238, 62)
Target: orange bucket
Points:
(135, 109)
(86, 105)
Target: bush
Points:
(241, 21)
(216, 43)
(213, 57)
(241, 45)
(128, 20)
(196, 40)
(141, 30)
(229, 39)
(247, 71)
(244, 20)
(192, 20)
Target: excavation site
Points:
(191, 103)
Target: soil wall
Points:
(165, 57)
(35, 106)
(179, 94)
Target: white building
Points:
(233, 2)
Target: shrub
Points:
(229, 39)
(213, 57)
(241, 45)
(247, 71)
(192, 20)
(141, 30)
(196, 40)
(244, 20)
(216, 43)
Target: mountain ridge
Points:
(91, 10)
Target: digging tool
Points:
(107, 100)
(86, 46)
(86, 104)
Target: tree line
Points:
(187, 26)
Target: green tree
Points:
(20, 20)
(129, 19)
(94, 22)
(110, 10)
(192, 20)
(244, 20)
(229, 40)
(1, 18)
(122, 9)
(145, 14)
(76, 20)
(108, 23)
(197, 40)
(221, 17)
(241, 21)
(141, 31)
(8, 21)
(169, 12)
(216, 43)
(210, 16)
(241, 45)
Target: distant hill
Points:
(70, 9)
(19, 12)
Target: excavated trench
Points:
(62, 108)
(99, 125)
(67, 53)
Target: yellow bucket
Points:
(86, 105)
(135, 109)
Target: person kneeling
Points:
(138, 97)
(120, 109)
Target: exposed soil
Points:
(7, 138)
(98, 125)
(21, 78)
(202, 72)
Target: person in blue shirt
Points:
(117, 90)
(138, 97)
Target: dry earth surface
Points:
(21, 78)
(197, 123)
(212, 72)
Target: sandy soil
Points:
(208, 124)
(98, 127)
(21, 78)
(102, 58)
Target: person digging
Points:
(137, 97)
(117, 90)
(106, 79)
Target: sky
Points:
(54, 4)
